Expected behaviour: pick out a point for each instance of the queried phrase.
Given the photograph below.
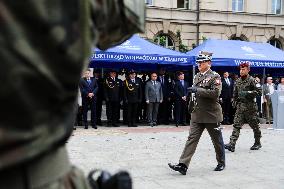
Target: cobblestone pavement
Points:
(145, 152)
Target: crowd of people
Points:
(155, 98)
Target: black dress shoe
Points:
(183, 124)
(219, 167)
(177, 124)
(86, 127)
(256, 146)
(94, 127)
(179, 167)
(230, 147)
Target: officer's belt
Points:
(37, 173)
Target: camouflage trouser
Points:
(242, 116)
(51, 171)
(75, 179)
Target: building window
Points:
(165, 41)
(276, 6)
(183, 4)
(238, 5)
(241, 38)
(149, 2)
(275, 43)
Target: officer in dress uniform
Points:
(132, 96)
(206, 114)
(112, 91)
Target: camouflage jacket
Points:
(245, 92)
(43, 46)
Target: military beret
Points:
(245, 64)
(204, 56)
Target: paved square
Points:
(145, 153)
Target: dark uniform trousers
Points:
(164, 112)
(195, 133)
(132, 112)
(180, 110)
(112, 110)
(86, 103)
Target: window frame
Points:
(149, 4)
(275, 40)
(274, 8)
(168, 37)
(187, 7)
(236, 3)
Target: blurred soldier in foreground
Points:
(207, 113)
(39, 41)
(245, 92)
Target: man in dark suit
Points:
(100, 95)
(89, 88)
(165, 107)
(112, 91)
(132, 96)
(181, 93)
(226, 97)
(153, 96)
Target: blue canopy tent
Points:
(229, 54)
(140, 54)
(233, 53)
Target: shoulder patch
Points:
(218, 81)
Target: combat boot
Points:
(230, 147)
(256, 146)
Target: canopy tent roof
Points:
(137, 51)
(232, 53)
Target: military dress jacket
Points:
(207, 108)
(132, 90)
(113, 89)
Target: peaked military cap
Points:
(204, 56)
(131, 71)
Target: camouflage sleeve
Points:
(235, 95)
(215, 88)
(256, 89)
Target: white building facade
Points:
(196, 20)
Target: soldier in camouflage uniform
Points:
(206, 114)
(39, 40)
(245, 92)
